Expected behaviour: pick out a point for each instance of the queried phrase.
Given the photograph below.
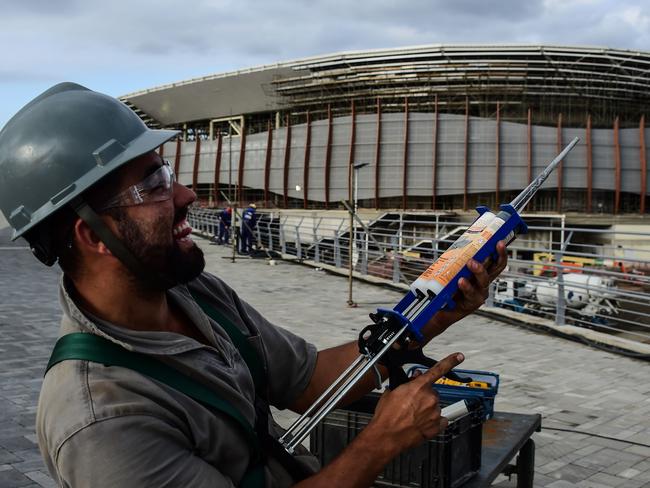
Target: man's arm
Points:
(332, 362)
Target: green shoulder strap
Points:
(93, 348)
(255, 366)
(247, 352)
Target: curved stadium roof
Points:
(606, 82)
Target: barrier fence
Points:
(597, 279)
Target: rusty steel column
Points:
(287, 159)
(267, 162)
(434, 157)
(177, 158)
(405, 159)
(466, 155)
(351, 153)
(377, 153)
(161, 151)
(195, 169)
(217, 169)
(590, 165)
(242, 160)
(560, 167)
(498, 154)
(305, 179)
(644, 163)
(617, 167)
(530, 145)
(328, 156)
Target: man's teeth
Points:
(180, 228)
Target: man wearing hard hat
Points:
(162, 375)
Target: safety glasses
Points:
(156, 187)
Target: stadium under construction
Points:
(438, 127)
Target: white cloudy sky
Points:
(120, 46)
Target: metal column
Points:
(305, 179)
(405, 160)
(287, 159)
(377, 153)
(590, 165)
(195, 169)
(560, 179)
(617, 167)
(466, 156)
(643, 162)
(267, 163)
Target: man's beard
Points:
(167, 260)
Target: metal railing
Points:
(593, 278)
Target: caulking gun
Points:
(433, 291)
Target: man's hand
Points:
(410, 414)
(404, 418)
(471, 294)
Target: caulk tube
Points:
(447, 267)
(436, 277)
(455, 410)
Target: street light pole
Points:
(234, 234)
(353, 229)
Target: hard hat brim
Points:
(148, 141)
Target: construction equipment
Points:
(390, 337)
(589, 299)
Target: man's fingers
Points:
(480, 273)
(473, 293)
(501, 263)
(441, 368)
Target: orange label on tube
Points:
(452, 261)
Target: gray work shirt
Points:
(108, 426)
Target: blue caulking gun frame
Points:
(413, 312)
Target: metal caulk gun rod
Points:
(524, 197)
(323, 396)
(328, 406)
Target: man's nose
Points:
(183, 196)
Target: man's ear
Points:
(88, 240)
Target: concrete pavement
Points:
(602, 395)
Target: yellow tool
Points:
(471, 384)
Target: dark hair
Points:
(62, 229)
(51, 240)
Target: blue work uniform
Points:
(249, 221)
(224, 226)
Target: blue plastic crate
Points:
(452, 394)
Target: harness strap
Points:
(240, 341)
(272, 446)
(90, 347)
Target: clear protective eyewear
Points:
(157, 187)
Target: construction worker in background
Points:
(162, 375)
(225, 220)
(249, 221)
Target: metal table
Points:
(505, 435)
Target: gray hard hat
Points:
(60, 144)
